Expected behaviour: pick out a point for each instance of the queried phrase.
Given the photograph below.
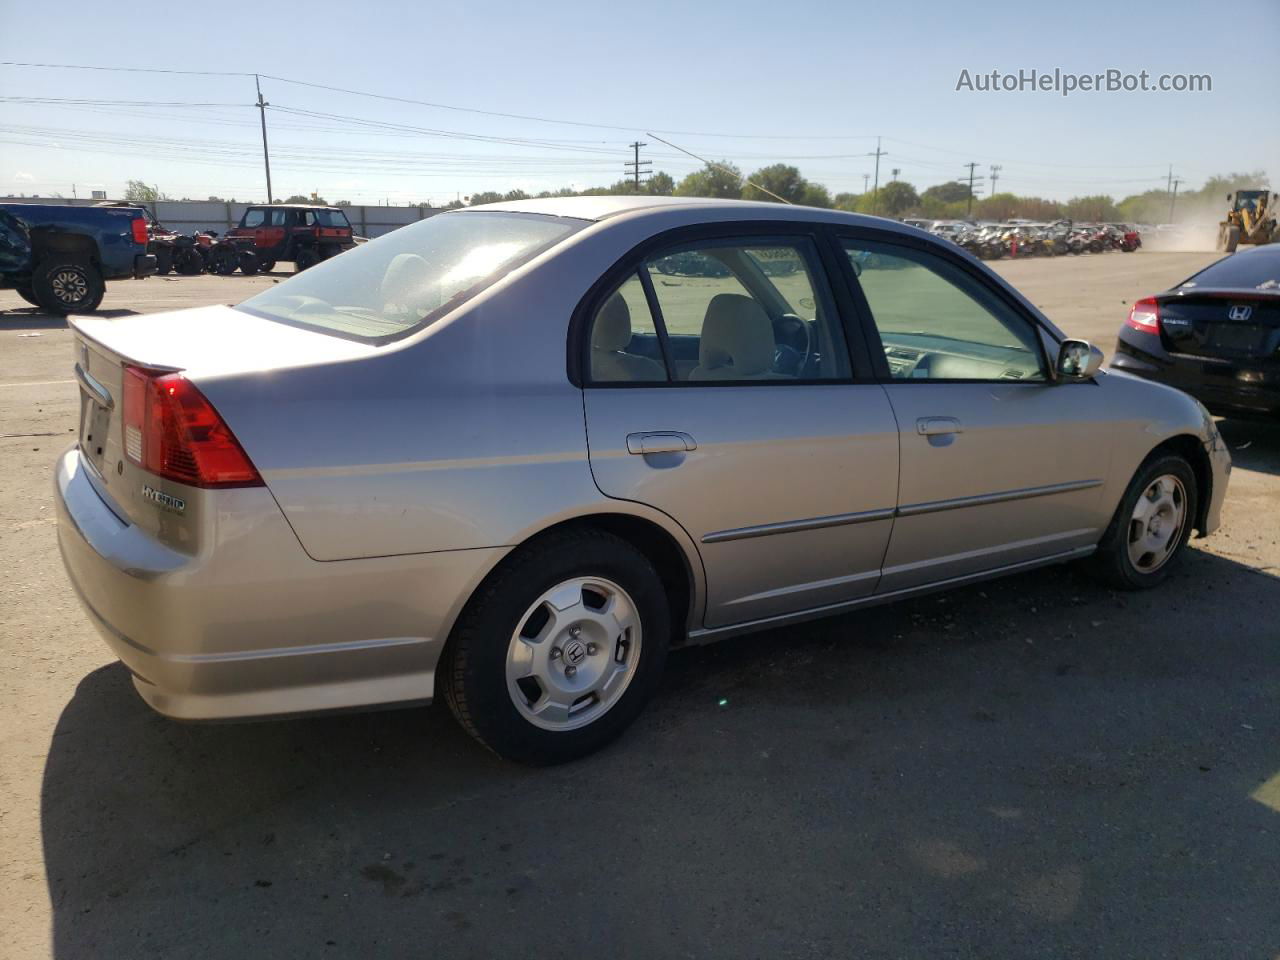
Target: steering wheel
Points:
(786, 358)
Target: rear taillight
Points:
(1144, 315)
(139, 230)
(171, 430)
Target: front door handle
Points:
(938, 426)
(660, 442)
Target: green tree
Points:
(781, 179)
(484, 196)
(660, 185)
(816, 195)
(894, 199)
(845, 201)
(1094, 208)
(315, 198)
(951, 192)
(722, 180)
(139, 192)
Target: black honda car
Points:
(1216, 335)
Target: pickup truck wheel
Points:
(68, 284)
(28, 295)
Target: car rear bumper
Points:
(1227, 389)
(144, 265)
(253, 626)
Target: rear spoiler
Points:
(97, 331)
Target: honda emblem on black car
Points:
(1240, 313)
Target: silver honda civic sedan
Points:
(514, 453)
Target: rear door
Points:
(718, 388)
(999, 464)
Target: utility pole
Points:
(865, 178)
(635, 167)
(875, 190)
(995, 175)
(262, 112)
(971, 167)
(895, 171)
(1169, 182)
(1173, 196)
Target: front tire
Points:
(560, 649)
(1151, 526)
(68, 284)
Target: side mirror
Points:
(1078, 360)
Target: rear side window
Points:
(723, 311)
(254, 218)
(411, 277)
(332, 218)
(625, 347)
(279, 218)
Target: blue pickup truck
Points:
(59, 257)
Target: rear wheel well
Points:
(661, 550)
(1191, 449)
(45, 243)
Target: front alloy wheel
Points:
(1155, 528)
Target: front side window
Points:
(938, 323)
(731, 311)
(412, 276)
(254, 218)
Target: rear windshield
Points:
(1241, 271)
(332, 218)
(410, 277)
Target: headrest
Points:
(736, 333)
(612, 330)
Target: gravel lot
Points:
(1030, 767)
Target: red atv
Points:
(303, 235)
(1130, 238)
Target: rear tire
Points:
(248, 263)
(1151, 526)
(164, 262)
(28, 295)
(307, 258)
(520, 673)
(266, 266)
(66, 283)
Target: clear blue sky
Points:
(769, 74)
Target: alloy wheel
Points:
(574, 653)
(1157, 523)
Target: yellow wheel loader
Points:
(1251, 218)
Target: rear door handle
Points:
(660, 442)
(937, 426)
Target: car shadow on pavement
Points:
(1033, 766)
(1254, 444)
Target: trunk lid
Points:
(202, 344)
(1226, 326)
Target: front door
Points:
(718, 389)
(1000, 464)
